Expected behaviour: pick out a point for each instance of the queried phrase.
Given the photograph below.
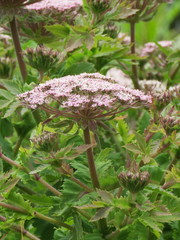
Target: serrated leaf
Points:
(40, 168)
(121, 203)
(158, 189)
(133, 148)
(18, 200)
(59, 30)
(141, 142)
(106, 196)
(103, 154)
(10, 184)
(101, 213)
(149, 222)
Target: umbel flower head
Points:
(83, 97)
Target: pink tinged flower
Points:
(165, 43)
(59, 5)
(83, 92)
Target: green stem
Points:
(86, 188)
(20, 229)
(133, 51)
(47, 185)
(37, 215)
(93, 174)
(18, 48)
(53, 221)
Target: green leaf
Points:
(78, 233)
(40, 168)
(133, 148)
(101, 213)
(163, 192)
(8, 185)
(149, 222)
(11, 86)
(122, 203)
(5, 94)
(144, 121)
(78, 68)
(5, 103)
(12, 109)
(59, 30)
(141, 142)
(103, 154)
(106, 196)
(18, 200)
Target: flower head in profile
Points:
(84, 96)
(60, 10)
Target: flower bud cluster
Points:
(134, 182)
(46, 142)
(99, 6)
(7, 66)
(42, 58)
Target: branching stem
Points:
(20, 229)
(37, 177)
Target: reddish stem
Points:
(18, 48)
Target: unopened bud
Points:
(134, 182)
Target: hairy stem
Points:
(37, 177)
(47, 185)
(20, 229)
(93, 174)
(133, 51)
(18, 48)
(86, 188)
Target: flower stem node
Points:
(134, 182)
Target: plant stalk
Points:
(18, 48)
(20, 229)
(93, 173)
(37, 215)
(133, 51)
(37, 177)
(91, 162)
